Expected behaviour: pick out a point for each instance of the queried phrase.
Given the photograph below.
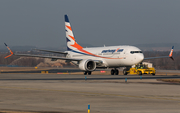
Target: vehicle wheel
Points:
(89, 73)
(116, 72)
(125, 72)
(85, 73)
(112, 72)
(140, 73)
(153, 74)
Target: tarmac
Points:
(71, 93)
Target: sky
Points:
(40, 23)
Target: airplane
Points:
(89, 59)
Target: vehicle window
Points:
(132, 52)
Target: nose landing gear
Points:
(114, 72)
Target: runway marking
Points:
(95, 94)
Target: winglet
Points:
(171, 53)
(9, 50)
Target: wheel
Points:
(112, 72)
(89, 73)
(140, 73)
(125, 72)
(116, 72)
(85, 73)
(153, 74)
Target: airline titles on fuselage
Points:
(112, 50)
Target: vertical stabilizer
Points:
(71, 42)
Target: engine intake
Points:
(87, 65)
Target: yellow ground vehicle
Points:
(140, 69)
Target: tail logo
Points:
(72, 45)
(71, 42)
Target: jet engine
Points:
(87, 65)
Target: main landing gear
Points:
(87, 72)
(115, 72)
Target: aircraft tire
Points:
(116, 72)
(89, 73)
(85, 73)
(112, 72)
(140, 73)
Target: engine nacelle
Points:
(87, 65)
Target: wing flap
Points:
(51, 51)
(52, 57)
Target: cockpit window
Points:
(132, 52)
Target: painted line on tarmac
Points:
(96, 78)
(91, 93)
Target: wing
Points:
(41, 56)
(170, 55)
(51, 51)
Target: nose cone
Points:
(140, 58)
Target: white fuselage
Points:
(112, 56)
